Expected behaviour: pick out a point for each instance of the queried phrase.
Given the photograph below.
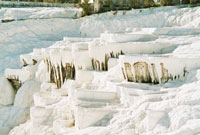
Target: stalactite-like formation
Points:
(155, 74)
(144, 73)
(60, 72)
(165, 75)
(24, 63)
(103, 66)
(34, 61)
(63, 72)
(184, 71)
(106, 62)
(58, 81)
(14, 80)
(128, 72)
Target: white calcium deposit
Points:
(131, 73)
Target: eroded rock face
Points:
(103, 66)
(16, 83)
(24, 63)
(144, 73)
(60, 72)
(18, 76)
(7, 92)
(155, 74)
(165, 74)
(128, 72)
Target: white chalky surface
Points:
(99, 102)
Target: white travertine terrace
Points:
(90, 73)
(140, 78)
(155, 68)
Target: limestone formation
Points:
(155, 74)
(142, 73)
(59, 73)
(24, 63)
(165, 75)
(103, 66)
(16, 83)
(129, 72)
